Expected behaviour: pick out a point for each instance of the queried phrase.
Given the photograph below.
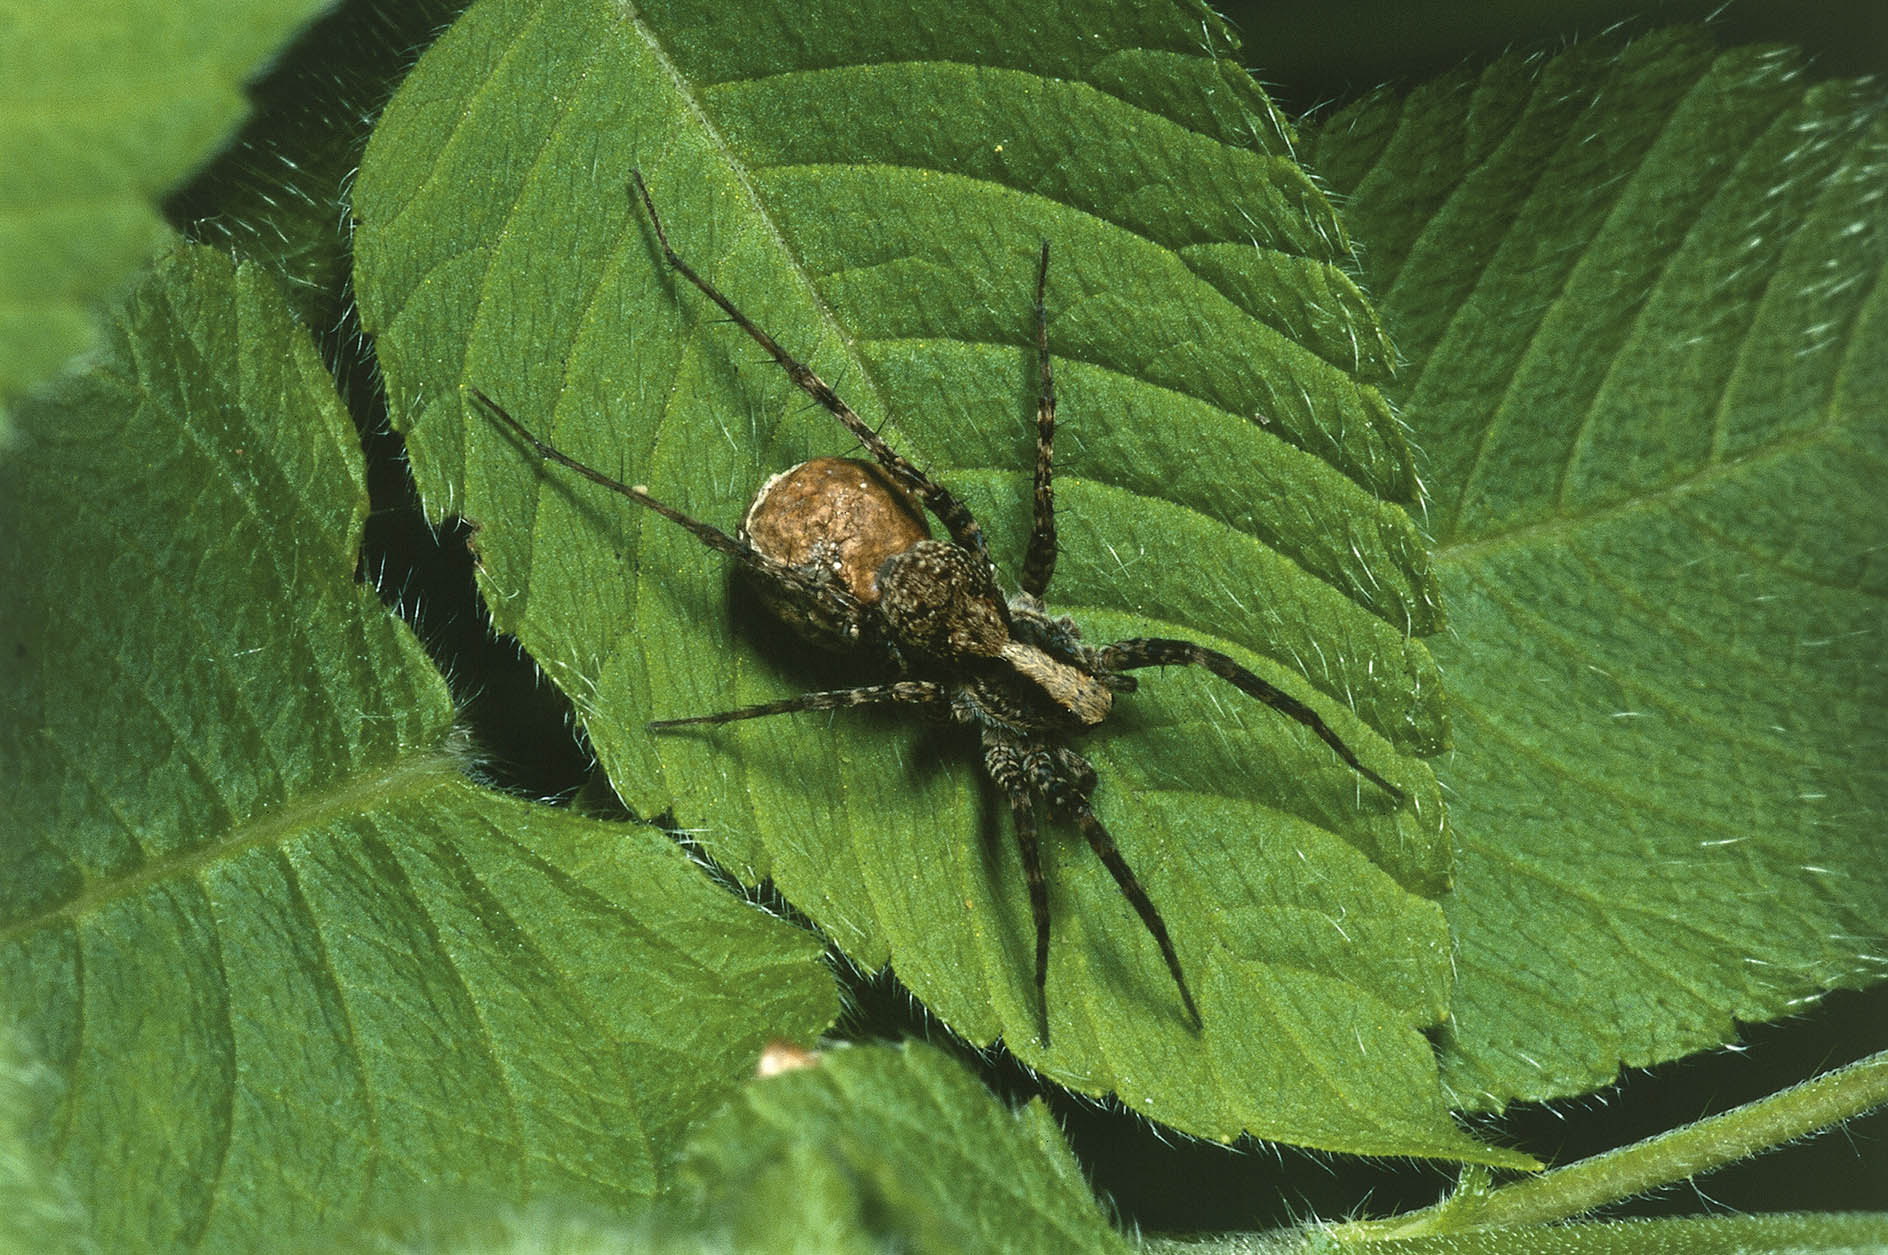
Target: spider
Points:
(841, 551)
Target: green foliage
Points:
(284, 959)
(104, 104)
(277, 970)
(895, 247)
(38, 1211)
(1642, 289)
(1784, 1234)
(876, 1148)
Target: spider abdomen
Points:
(835, 520)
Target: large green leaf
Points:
(873, 189)
(888, 1148)
(1643, 290)
(285, 959)
(103, 105)
(38, 1210)
(863, 1149)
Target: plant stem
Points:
(1683, 1152)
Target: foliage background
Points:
(1163, 1185)
(1315, 58)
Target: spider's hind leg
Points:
(952, 513)
(825, 596)
(898, 693)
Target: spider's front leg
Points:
(1153, 651)
(1006, 759)
(1071, 785)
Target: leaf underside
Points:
(1643, 290)
(1227, 474)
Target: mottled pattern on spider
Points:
(840, 550)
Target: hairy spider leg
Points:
(952, 513)
(1063, 780)
(835, 598)
(1023, 814)
(1039, 562)
(901, 692)
(1005, 760)
(1104, 847)
(1153, 651)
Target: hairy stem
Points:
(1684, 1152)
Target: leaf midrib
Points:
(412, 775)
(1555, 531)
(691, 101)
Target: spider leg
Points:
(1039, 562)
(1156, 652)
(1110, 855)
(902, 692)
(1007, 761)
(952, 513)
(841, 604)
(1024, 812)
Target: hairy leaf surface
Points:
(1643, 291)
(877, 200)
(285, 961)
(104, 105)
(888, 1148)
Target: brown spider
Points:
(841, 551)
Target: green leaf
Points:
(287, 962)
(104, 105)
(874, 191)
(868, 1149)
(490, 1226)
(1643, 289)
(38, 1211)
(888, 1148)
(277, 192)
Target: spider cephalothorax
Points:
(840, 550)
